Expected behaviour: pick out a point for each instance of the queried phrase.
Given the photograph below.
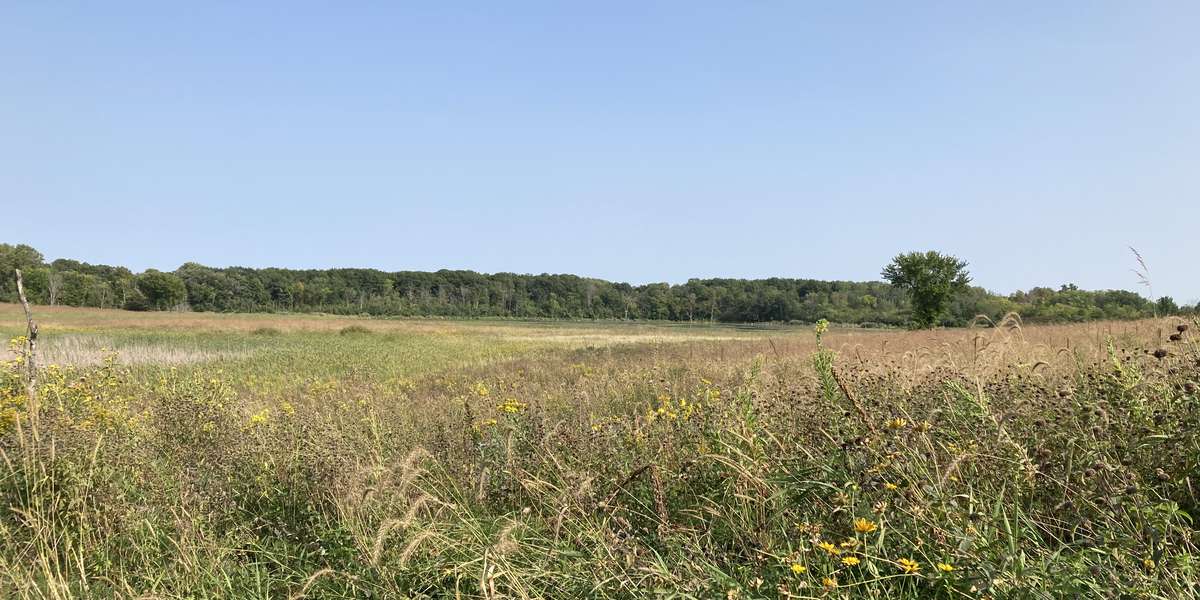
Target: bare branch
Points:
(30, 353)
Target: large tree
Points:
(931, 279)
(163, 291)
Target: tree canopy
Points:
(469, 294)
(931, 280)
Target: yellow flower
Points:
(891, 487)
(798, 568)
(897, 423)
(511, 406)
(850, 561)
(1149, 564)
(829, 582)
(909, 565)
(862, 525)
(260, 417)
(830, 548)
(945, 567)
(850, 543)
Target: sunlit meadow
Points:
(179, 455)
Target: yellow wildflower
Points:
(260, 417)
(897, 423)
(862, 525)
(891, 487)
(945, 567)
(821, 327)
(829, 582)
(511, 406)
(798, 568)
(909, 565)
(850, 561)
(830, 548)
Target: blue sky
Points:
(638, 141)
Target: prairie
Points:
(198, 455)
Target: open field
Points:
(194, 455)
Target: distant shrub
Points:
(354, 330)
(267, 331)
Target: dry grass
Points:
(89, 350)
(429, 459)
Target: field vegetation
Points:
(185, 455)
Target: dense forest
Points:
(470, 294)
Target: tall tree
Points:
(931, 279)
(163, 291)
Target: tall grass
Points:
(1002, 462)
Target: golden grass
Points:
(430, 458)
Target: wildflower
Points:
(1149, 564)
(481, 390)
(897, 423)
(830, 548)
(798, 568)
(945, 567)
(511, 406)
(260, 417)
(909, 565)
(891, 487)
(850, 543)
(862, 525)
(850, 561)
(829, 582)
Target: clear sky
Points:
(638, 141)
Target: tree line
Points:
(509, 295)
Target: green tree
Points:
(12, 257)
(1167, 306)
(931, 279)
(163, 291)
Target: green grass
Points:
(281, 458)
